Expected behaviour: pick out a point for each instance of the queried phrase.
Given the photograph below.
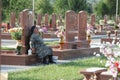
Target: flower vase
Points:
(18, 47)
(61, 46)
(116, 33)
(61, 43)
(89, 38)
(61, 40)
(108, 34)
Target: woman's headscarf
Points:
(32, 29)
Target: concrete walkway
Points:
(12, 43)
(12, 68)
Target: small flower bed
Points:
(111, 22)
(101, 22)
(43, 29)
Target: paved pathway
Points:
(11, 68)
(12, 43)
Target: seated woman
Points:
(37, 45)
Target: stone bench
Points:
(92, 73)
(107, 76)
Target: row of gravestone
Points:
(46, 19)
(76, 21)
(48, 23)
(117, 19)
(73, 22)
(26, 21)
(54, 18)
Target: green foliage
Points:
(7, 48)
(16, 33)
(116, 27)
(66, 71)
(19, 5)
(77, 5)
(0, 10)
(61, 6)
(112, 6)
(16, 6)
(53, 43)
(111, 22)
(106, 7)
(43, 6)
(101, 8)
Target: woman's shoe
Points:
(51, 60)
(45, 60)
(45, 63)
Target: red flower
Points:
(116, 64)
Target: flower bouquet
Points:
(111, 22)
(61, 33)
(16, 34)
(89, 32)
(112, 53)
(101, 22)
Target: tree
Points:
(101, 9)
(112, 6)
(77, 5)
(14, 6)
(91, 4)
(61, 6)
(43, 6)
(5, 8)
(18, 5)
(0, 16)
(106, 7)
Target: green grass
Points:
(54, 43)
(7, 48)
(66, 71)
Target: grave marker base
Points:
(13, 59)
(66, 54)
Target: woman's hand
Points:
(33, 50)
